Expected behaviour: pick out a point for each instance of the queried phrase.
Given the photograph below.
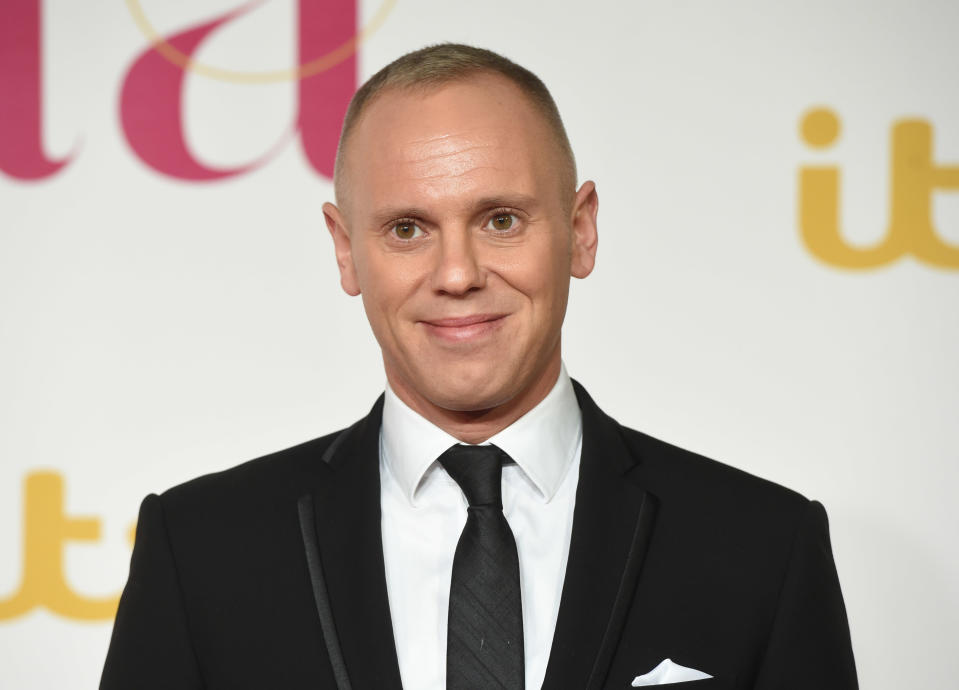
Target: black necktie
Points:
(484, 643)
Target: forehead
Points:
(481, 137)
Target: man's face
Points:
(458, 233)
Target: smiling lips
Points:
(464, 328)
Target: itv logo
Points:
(914, 177)
(47, 530)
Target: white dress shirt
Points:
(424, 512)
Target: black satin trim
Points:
(331, 451)
(624, 595)
(320, 595)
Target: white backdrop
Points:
(153, 329)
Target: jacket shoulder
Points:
(694, 478)
(738, 531)
(280, 475)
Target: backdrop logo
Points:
(317, 64)
(151, 91)
(913, 179)
(47, 530)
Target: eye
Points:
(406, 230)
(502, 222)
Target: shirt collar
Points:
(542, 442)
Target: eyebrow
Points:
(518, 201)
(521, 201)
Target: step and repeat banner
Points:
(777, 283)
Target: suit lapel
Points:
(612, 524)
(348, 560)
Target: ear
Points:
(343, 247)
(585, 238)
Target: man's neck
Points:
(477, 426)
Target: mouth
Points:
(463, 328)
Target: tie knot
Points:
(478, 471)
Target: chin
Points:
(465, 399)
(460, 392)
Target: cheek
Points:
(388, 282)
(542, 275)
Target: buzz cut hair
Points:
(438, 65)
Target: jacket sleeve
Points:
(151, 646)
(809, 644)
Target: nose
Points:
(457, 270)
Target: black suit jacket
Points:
(271, 575)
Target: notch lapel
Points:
(612, 525)
(347, 563)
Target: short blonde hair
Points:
(438, 65)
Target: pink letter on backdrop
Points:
(325, 96)
(151, 106)
(21, 148)
(152, 96)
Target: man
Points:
(486, 525)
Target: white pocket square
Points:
(668, 672)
